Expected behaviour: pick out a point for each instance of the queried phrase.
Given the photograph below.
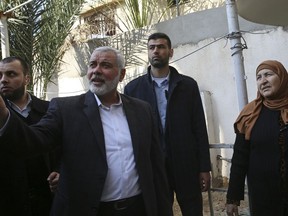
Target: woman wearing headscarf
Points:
(260, 148)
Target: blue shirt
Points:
(161, 89)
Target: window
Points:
(172, 3)
(102, 23)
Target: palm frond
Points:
(38, 32)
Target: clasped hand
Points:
(232, 210)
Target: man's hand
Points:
(205, 179)
(232, 210)
(53, 180)
(4, 113)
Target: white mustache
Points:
(97, 77)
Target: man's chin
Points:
(5, 95)
(97, 91)
(158, 65)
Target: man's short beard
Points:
(159, 64)
(105, 88)
(15, 95)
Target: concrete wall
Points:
(201, 51)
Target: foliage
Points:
(38, 32)
(139, 14)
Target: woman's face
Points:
(268, 83)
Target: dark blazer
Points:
(20, 175)
(184, 138)
(75, 121)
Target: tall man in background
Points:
(25, 190)
(176, 100)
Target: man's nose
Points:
(156, 49)
(3, 78)
(96, 70)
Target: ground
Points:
(218, 203)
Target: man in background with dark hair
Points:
(176, 101)
(25, 190)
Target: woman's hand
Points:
(232, 210)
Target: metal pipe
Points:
(4, 29)
(177, 6)
(236, 47)
(4, 37)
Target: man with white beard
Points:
(111, 160)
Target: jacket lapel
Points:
(133, 124)
(91, 110)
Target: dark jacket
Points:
(185, 135)
(260, 159)
(76, 122)
(23, 177)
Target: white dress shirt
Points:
(122, 177)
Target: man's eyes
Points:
(11, 74)
(159, 47)
(104, 65)
(8, 74)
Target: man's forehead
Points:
(103, 57)
(10, 66)
(6, 66)
(157, 41)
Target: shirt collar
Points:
(27, 104)
(161, 80)
(103, 106)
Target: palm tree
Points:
(140, 13)
(37, 34)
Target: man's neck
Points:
(21, 102)
(160, 72)
(109, 99)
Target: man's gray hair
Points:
(119, 55)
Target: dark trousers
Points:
(191, 206)
(38, 203)
(125, 207)
(28, 205)
(284, 211)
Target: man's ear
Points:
(27, 79)
(122, 74)
(171, 53)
